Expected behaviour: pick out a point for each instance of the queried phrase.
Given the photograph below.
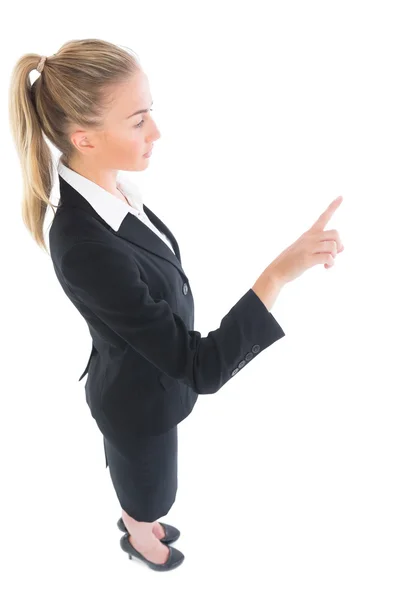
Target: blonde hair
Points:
(73, 87)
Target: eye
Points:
(141, 122)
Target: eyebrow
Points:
(144, 110)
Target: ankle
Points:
(141, 531)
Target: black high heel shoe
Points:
(175, 557)
(171, 532)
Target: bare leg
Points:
(143, 539)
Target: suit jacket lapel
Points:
(137, 232)
(131, 229)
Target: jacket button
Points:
(234, 371)
(241, 364)
(256, 348)
(185, 288)
(248, 356)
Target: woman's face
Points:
(125, 137)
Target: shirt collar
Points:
(110, 208)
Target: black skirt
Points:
(146, 481)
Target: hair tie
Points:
(41, 64)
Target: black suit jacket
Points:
(147, 365)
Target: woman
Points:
(120, 265)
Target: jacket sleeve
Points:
(108, 283)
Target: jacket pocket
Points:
(88, 363)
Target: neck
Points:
(105, 178)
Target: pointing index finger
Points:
(324, 219)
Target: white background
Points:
(289, 475)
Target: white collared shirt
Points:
(110, 208)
